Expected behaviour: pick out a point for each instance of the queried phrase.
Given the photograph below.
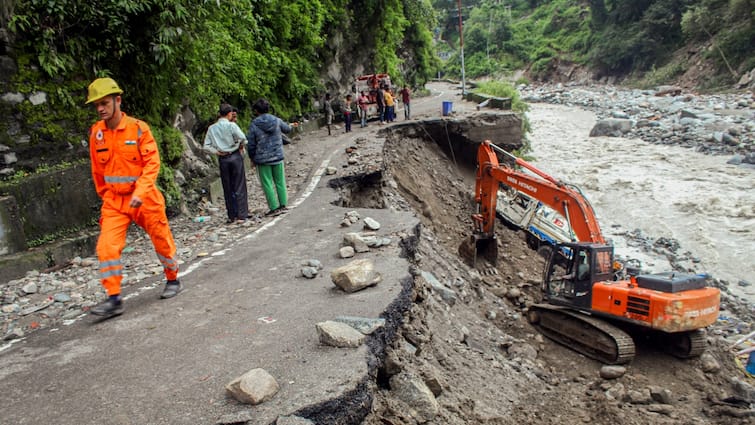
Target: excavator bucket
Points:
(475, 247)
(488, 249)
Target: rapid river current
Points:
(672, 192)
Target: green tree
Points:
(642, 33)
(728, 26)
(598, 15)
(419, 40)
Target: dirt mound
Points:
(466, 339)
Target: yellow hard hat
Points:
(102, 87)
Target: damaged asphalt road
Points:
(245, 306)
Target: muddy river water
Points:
(704, 204)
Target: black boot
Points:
(172, 288)
(112, 307)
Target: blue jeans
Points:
(390, 113)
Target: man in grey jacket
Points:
(265, 147)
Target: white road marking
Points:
(307, 192)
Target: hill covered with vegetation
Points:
(168, 52)
(648, 41)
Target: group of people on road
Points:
(125, 163)
(263, 143)
(385, 101)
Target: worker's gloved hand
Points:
(136, 202)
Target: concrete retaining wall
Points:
(42, 207)
(492, 102)
(56, 201)
(12, 238)
(58, 253)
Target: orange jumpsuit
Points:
(125, 162)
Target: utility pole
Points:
(461, 47)
(487, 43)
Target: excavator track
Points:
(584, 334)
(685, 345)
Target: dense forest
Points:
(171, 51)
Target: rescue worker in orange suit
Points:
(125, 164)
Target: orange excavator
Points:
(587, 305)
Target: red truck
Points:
(369, 84)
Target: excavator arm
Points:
(563, 199)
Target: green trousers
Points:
(273, 181)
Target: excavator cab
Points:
(572, 268)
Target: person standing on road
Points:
(226, 140)
(266, 152)
(328, 107)
(347, 105)
(406, 99)
(390, 106)
(363, 100)
(380, 101)
(125, 164)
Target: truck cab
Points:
(542, 224)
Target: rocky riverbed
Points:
(719, 124)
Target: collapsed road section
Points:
(466, 354)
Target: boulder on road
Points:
(253, 387)
(339, 334)
(356, 275)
